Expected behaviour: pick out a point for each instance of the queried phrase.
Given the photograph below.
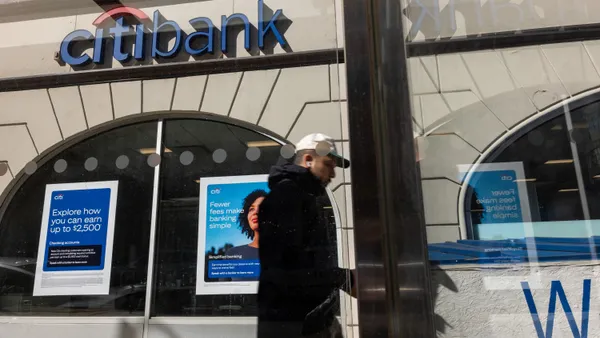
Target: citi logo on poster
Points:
(200, 42)
(59, 197)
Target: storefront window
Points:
(195, 150)
(553, 163)
(119, 154)
(547, 181)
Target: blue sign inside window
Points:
(497, 197)
(77, 230)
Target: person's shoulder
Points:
(284, 186)
(285, 191)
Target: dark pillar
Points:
(391, 251)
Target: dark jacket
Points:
(299, 278)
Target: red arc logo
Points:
(119, 11)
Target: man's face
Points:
(323, 167)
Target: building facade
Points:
(97, 92)
(165, 104)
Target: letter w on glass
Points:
(556, 289)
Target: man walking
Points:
(300, 279)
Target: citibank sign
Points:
(202, 41)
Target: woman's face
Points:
(253, 213)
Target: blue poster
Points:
(77, 229)
(232, 230)
(229, 233)
(497, 195)
(76, 239)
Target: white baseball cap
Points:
(323, 145)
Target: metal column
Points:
(391, 253)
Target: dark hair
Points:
(300, 154)
(243, 216)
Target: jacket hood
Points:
(300, 175)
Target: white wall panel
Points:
(295, 88)
(127, 98)
(253, 94)
(189, 93)
(461, 99)
(158, 95)
(529, 66)
(220, 93)
(69, 111)
(422, 80)
(434, 108)
(6, 178)
(16, 147)
(511, 107)
(345, 126)
(444, 153)
(339, 86)
(28, 47)
(98, 103)
(318, 118)
(439, 201)
(34, 108)
(573, 66)
(463, 123)
(442, 233)
(489, 72)
(340, 199)
(454, 74)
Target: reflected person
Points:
(300, 281)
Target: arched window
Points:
(193, 146)
(543, 180)
(21, 217)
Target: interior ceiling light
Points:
(580, 125)
(596, 177)
(261, 144)
(559, 162)
(148, 151)
(568, 190)
(525, 180)
(576, 125)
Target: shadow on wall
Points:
(440, 279)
